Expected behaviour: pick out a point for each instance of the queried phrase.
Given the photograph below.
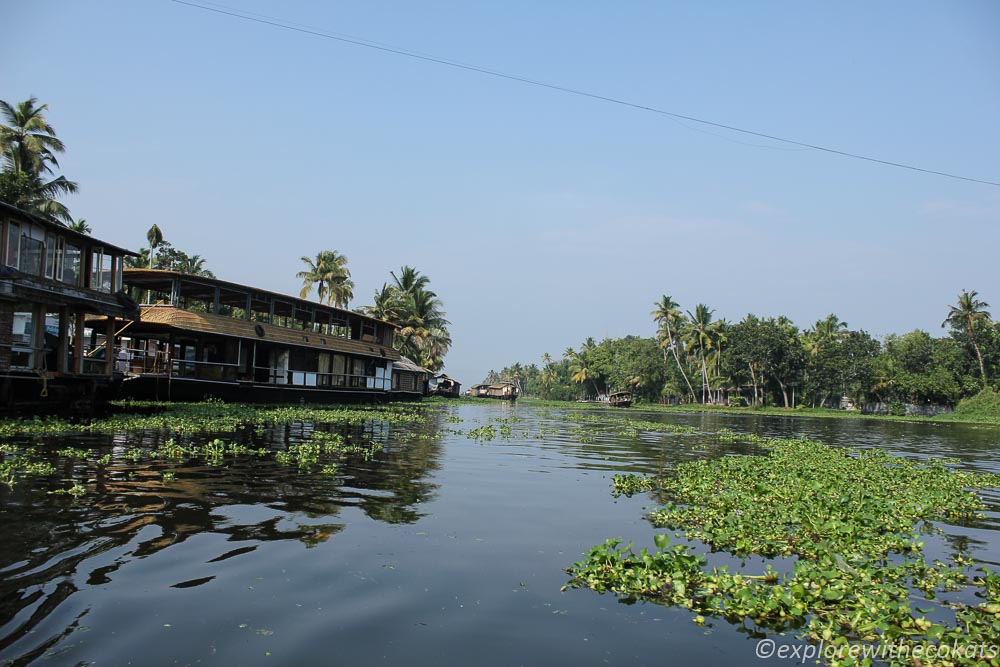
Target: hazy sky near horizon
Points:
(541, 217)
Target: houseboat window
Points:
(22, 350)
(95, 269)
(107, 261)
(50, 255)
(13, 244)
(119, 266)
(32, 250)
(368, 331)
(71, 264)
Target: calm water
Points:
(440, 549)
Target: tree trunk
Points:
(979, 355)
(784, 391)
(753, 378)
(677, 358)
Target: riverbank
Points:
(981, 417)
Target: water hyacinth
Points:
(851, 522)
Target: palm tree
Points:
(385, 304)
(964, 317)
(29, 146)
(670, 319)
(80, 226)
(699, 334)
(192, 264)
(155, 238)
(330, 276)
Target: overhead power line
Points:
(357, 41)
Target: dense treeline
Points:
(695, 358)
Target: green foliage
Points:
(410, 304)
(850, 518)
(985, 404)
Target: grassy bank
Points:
(979, 412)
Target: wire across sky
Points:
(357, 41)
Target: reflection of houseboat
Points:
(505, 391)
(620, 399)
(447, 386)
(51, 279)
(199, 337)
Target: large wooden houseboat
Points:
(51, 280)
(199, 337)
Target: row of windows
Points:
(30, 249)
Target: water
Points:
(438, 549)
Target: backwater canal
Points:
(437, 545)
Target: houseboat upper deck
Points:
(198, 336)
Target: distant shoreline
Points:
(770, 411)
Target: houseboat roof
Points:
(63, 229)
(406, 364)
(161, 318)
(203, 288)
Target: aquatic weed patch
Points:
(212, 415)
(851, 520)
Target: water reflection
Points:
(449, 540)
(53, 540)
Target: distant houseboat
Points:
(198, 337)
(447, 386)
(51, 280)
(620, 399)
(505, 391)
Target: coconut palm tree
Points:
(329, 274)
(699, 335)
(29, 145)
(80, 226)
(670, 319)
(155, 238)
(964, 317)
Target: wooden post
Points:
(62, 351)
(78, 344)
(109, 347)
(38, 336)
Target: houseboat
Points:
(504, 391)
(620, 399)
(199, 337)
(409, 380)
(51, 280)
(446, 386)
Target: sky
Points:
(541, 217)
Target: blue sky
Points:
(542, 217)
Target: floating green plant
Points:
(849, 522)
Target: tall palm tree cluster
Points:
(410, 303)
(28, 146)
(407, 302)
(697, 358)
(161, 254)
(329, 276)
